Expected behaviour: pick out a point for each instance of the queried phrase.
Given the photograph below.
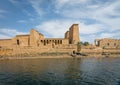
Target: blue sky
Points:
(96, 18)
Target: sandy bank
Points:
(54, 55)
(33, 57)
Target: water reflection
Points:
(72, 74)
(74, 71)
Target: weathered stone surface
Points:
(36, 43)
(36, 40)
(74, 34)
(107, 43)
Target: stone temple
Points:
(36, 39)
(35, 42)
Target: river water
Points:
(68, 71)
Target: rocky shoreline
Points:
(56, 55)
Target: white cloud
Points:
(78, 9)
(62, 25)
(105, 12)
(54, 28)
(7, 33)
(110, 35)
(2, 36)
(89, 38)
(106, 16)
(90, 29)
(36, 4)
(57, 28)
(63, 3)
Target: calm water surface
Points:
(86, 71)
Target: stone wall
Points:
(74, 34)
(34, 37)
(36, 40)
(5, 42)
(107, 43)
(67, 35)
(22, 40)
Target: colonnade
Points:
(48, 41)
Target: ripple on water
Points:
(61, 72)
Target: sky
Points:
(96, 18)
